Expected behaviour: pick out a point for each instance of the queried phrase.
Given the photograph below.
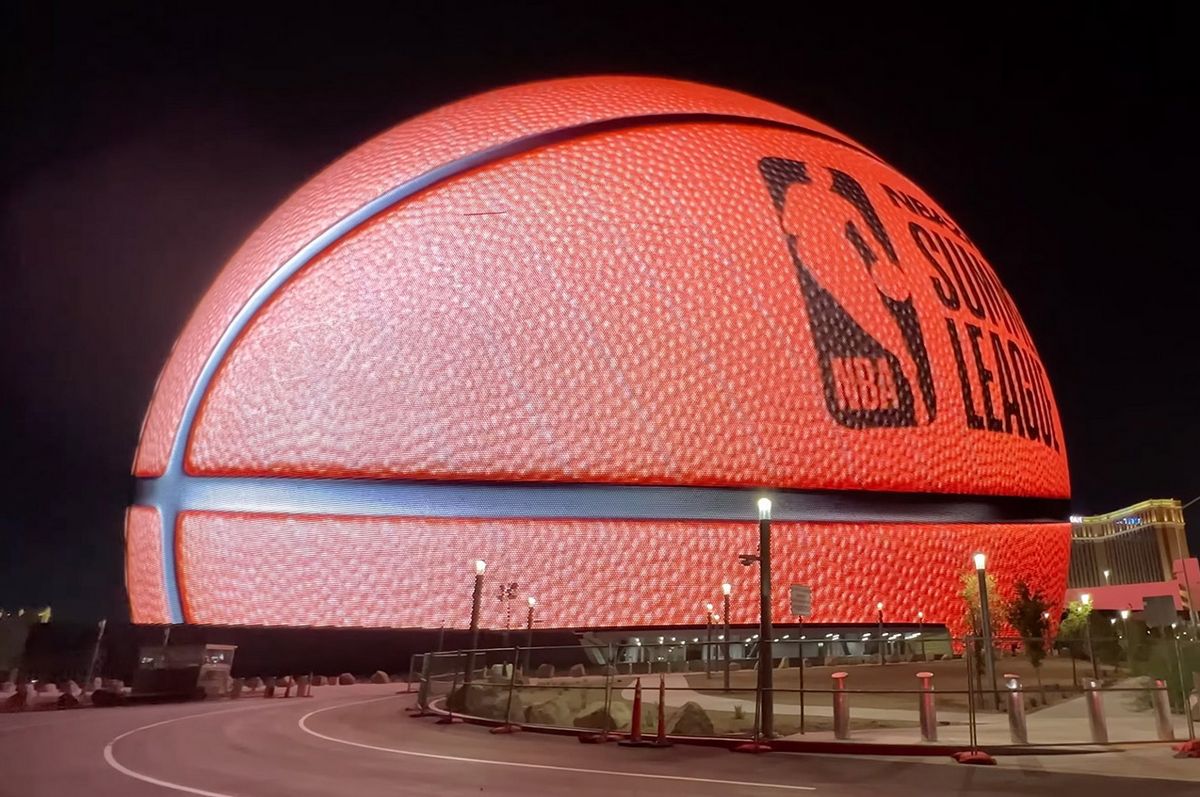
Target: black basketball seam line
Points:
(175, 468)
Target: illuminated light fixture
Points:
(879, 606)
(920, 615)
(708, 607)
(980, 560)
(1085, 599)
(1112, 621)
(785, 636)
(726, 588)
(1076, 518)
(480, 567)
(764, 509)
(1124, 614)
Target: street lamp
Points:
(708, 621)
(476, 598)
(532, 601)
(879, 609)
(765, 674)
(1128, 639)
(1086, 600)
(986, 620)
(1107, 573)
(921, 632)
(726, 591)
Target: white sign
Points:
(802, 600)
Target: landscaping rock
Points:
(70, 688)
(19, 699)
(254, 683)
(380, 677)
(68, 700)
(554, 711)
(545, 671)
(577, 671)
(593, 716)
(107, 697)
(42, 687)
(113, 685)
(236, 687)
(345, 679)
(318, 680)
(690, 720)
(7, 687)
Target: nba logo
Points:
(865, 327)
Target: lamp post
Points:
(765, 674)
(1086, 600)
(532, 601)
(921, 632)
(1128, 640)
(476, 598)
(708, 621)
(1107, 573)
(726, 591)
(985, 616)
(879, 609)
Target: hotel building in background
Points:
(1122, 557)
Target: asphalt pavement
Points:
(358, 741)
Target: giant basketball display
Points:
(575, 329)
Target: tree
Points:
(970, 596)
(1028, 614)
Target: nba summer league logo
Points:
(869, 338)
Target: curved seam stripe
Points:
(175, 469)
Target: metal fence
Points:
(969, 692)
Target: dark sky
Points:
(139, 149)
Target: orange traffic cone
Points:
(661, 739)
(635, 731)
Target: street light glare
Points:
(764, 508)
(480, 567)
(920, 615)
(879, 606)
(532, 601)
(708, 607)
(726, 588)
(1124, 614)
(980, 560)
(1085, 599)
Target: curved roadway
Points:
(357, 741)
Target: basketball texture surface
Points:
(656, 294)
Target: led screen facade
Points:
(576, 328)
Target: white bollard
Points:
(928, 708)
(1017, 729)
(841, 707)
(1095, 707)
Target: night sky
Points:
(139, 149)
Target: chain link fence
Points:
(961, 691)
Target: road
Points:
(358, 741)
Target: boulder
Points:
(19, 699)
(593, 716)
(7, 687)
(236, 687)
(735, 666)
(70, 688)
(345, 679)
(690, 720)
(380, 677)
(284, 681)
(113, 685)
(67, 700)
(577, 671)
(254, 683)
(95, 684)
(318, 680)
(545, 671)
(554, 711)
(107, 697)
(331, 680)
(42, 687)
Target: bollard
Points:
(928, 708)
(1018, 731)
(422, 707)
(1162, 713)
(1095, 707)
(841, 707)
